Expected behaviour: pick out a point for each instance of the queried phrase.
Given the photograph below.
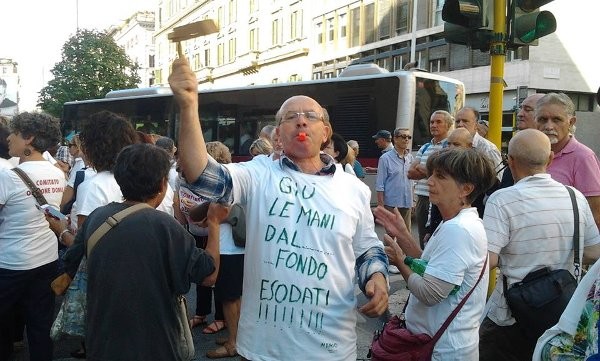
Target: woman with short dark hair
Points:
(137, 270)
(455, 254)
(28, 248)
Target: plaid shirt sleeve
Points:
(63, 155)
(214, 183)
(372, 261)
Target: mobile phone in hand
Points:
(53, 212)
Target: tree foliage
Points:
(92, 65)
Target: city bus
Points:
(360, 101)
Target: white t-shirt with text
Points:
(304, 234)
(26, 241)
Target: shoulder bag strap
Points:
(37, 193)
(438, 334)
(576, 260)
(110, 223)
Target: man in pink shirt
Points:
(574, 164)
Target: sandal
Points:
(227, 350)
(197, 321)
(221, 340)
(214, 327)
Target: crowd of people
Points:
(141, 218)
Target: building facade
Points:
(135, 36)
(271, 41)
(9, 87)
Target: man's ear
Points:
(327, 135)
(550, 158)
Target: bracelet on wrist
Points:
(62, 234)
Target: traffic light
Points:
(468, 22)
(527, 23)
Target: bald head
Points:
(460, 138)
(529, 150)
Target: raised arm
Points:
(191, 147)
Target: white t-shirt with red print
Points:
(26, 241)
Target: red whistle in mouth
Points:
(301, 137)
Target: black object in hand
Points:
(199, 212)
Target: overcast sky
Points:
(34, 31)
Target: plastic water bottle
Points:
(418, 266)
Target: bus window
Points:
(358, 107)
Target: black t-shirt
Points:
(135, 273)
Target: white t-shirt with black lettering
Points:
(26, 241)
(303, 235)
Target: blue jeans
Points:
(30, 291)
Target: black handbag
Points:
(538, 301)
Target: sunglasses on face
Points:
(403, 136)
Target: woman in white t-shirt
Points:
(102, 138)
(338, 150)
(455, 254)
(28, 248)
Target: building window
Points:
(220, 54)
(370, 23)
(220, 16)
(319, 32)
(342, 22)
(232, 12)
(232, 52)
(274, 81)
(252, 5)
(330, 29)
(206, 57)
(402, 17)
(197, 64)
(317, 75)
(254, 39)
(383, 63)
(296, 24)
(328, 75)
(151, 61)
(294, 77)
(355, 27)
(437, 65)
(275, 32)
(158, 75)
(437, 20)
(384, 19)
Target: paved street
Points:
(364, 326)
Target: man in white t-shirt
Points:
(306, 238)
(524, 238)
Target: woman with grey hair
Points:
(28, 248)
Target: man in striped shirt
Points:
(529, 226)
(439, 125)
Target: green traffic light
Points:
(535, 25)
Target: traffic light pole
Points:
(498, 53)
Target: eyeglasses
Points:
(310, 116)
(403, 136)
